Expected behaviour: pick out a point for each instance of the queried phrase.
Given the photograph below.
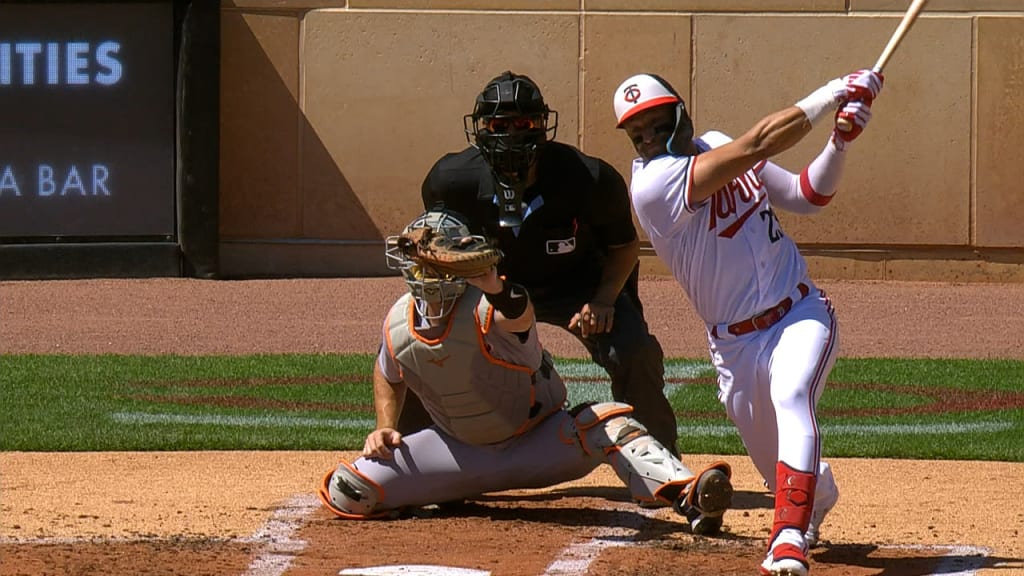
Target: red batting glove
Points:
(857, 113)
(863, 85)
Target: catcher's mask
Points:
(509, 125)
(644, 91)
(435, 293)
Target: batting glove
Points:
(857, 113)
(863, 85)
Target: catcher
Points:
(468, 348)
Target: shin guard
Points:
(794, 498)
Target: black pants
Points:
(631, 356)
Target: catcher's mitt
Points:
(465, 257)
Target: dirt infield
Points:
(254, 513)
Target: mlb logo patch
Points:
(562, 246)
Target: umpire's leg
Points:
(631, 356)
(634, 360)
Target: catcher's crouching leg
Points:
(349, 494)
(650, 471)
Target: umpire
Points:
(564, 222)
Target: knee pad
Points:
(647, 468)
(349, 494)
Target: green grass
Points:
(934, 409)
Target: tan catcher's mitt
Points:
(464, 257)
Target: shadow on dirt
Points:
(910, 561)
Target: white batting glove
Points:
(863, 85)
(857, 113)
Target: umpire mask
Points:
(509, 125)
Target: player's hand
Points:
(857, 113)
(593, 318)
(863, 85)
(379, 443)
(490, 283)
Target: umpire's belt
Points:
(764, 320)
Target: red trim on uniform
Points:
(646, 106)
(689, 186)
(820, 377)
(809, 193)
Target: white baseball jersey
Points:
(728, 252)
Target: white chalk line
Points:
(279, 547)
(577, 558)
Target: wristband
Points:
(822, 101)
(511, 301)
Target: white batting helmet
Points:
(639, 93)
(645, 91)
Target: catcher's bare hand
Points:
(593, 318)
(379, 443)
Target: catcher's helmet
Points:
(645, 91)
(428, 287)
(509, 124)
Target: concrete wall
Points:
(332, 112)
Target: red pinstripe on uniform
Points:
(819, 380)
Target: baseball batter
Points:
(708, 207)
(468, 348)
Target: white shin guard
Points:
(647, 468)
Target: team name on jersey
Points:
(728, 200)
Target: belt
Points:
(766, 319)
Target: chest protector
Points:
(470, 394)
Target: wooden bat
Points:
(901, 31)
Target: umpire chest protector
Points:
(469, 393)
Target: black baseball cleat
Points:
(705, 503)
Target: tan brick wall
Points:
(333, 111)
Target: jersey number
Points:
(774, 230)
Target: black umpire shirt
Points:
(578, 207)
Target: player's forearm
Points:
(387, 400)
(771, 135)
(775, 134)
(619, 265)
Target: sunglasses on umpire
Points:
(505, 125)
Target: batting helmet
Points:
(427, 286)
(645, 91)
(509, 124)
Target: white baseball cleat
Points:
(824, 501)
(786, 558)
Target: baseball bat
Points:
(901, 31)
